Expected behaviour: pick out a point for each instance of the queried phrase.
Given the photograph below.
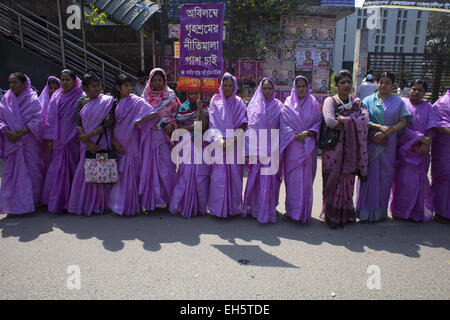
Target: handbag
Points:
(328, 138)
(101, 167)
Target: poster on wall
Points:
(310, 31)
(321, 58)
(305, 50)
(321, 78)
(305, 59)
(282, 74)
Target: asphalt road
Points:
(161, 256)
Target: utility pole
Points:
(163, 34)
(61, 34)
(83, 35)
(230, 36)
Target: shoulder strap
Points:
(336, 105)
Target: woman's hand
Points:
(424, 149)
(50, 147)
(339, 127)
(301, 136)
(222, 142)
(386, 130)
(119, 148)
(340, 119)
(23, 132)
(13, 136)
(379, 136)
(168, 129)
(200, 105)
(426, 140)
(92, 147)
(84, 137)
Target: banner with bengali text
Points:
(201, 28)
(198, 85)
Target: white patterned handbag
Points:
(101, 167)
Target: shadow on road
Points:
(155, 229)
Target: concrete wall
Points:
(16, 59)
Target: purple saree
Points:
(299, 159)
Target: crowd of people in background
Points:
(386, 143)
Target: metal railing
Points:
(46, 41)
(410, 66)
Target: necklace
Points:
(347, 105)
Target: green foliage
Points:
(95, 16)
(438, 33)
(333, 89)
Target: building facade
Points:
(400, 31)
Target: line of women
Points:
(384, 140)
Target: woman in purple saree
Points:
(62, 143)
(158, 172)
(226, 111)
(349, 158)
(51, 86)
(131, 112)
(20, 142)
(440, 158)
(94, 117)
(190, 194)
(262, 190)
(411, 196)
(388, 115)
(299, 138)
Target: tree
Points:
(95, 16)
(438, 46)
(257, 27)
(438, 33)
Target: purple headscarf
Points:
(226, 113)
(18, 112)
(440, 116)
(45, 97)
(60, 114)
(263, 114)
(299, 115)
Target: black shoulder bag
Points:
(328, 138)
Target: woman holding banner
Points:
(262, 189)
(190, 194)
(299, 138)
(158, 172)
(226, 111)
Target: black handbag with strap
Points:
(328, 138)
